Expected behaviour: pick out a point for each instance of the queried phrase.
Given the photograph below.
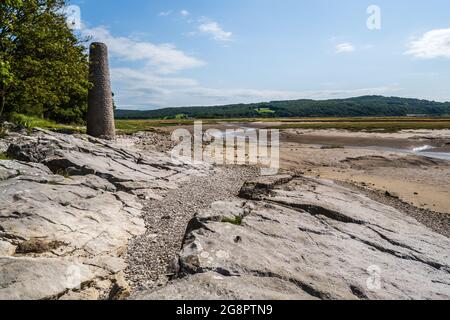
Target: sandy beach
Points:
(397, 163)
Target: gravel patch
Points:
(148, 140)
(150, 255)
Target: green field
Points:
(263, 111)
(368, 124)
(132, 126)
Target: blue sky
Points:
(166, 53)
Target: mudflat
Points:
(408, 165)
(411, 165)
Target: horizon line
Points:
(272, 101)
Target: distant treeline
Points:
(366, 106)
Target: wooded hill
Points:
(365, 106)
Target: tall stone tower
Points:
(100, 116)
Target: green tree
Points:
(8, 21)
(44, 66)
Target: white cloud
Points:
(345, 47)
(253, 95)
(215, 30)
(184, 13)
(163, 58)
(146, 78)
(433, 44)
(143, 89)
(149, 85)
(165, 13)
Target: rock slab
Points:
(68, 207)
(303, 238)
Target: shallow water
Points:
(436, 155)
(424, 150)
(420, 151)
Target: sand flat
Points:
(383, 162)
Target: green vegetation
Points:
(367, 106)
(132, 126)
(63, 172)
(3, 132)
(30, 122)
(43, 65)
(370, 124)
(264, 111)
(4, 156)
(180, 116)
(236, 220)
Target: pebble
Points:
(150, 256)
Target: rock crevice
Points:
(69, 206)
(308, 239)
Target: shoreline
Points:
(415, 145)
(383, 161)
(138, 225)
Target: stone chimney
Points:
(100, 115)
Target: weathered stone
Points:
(7, 249)
(112, 264)
(262, 186)
(68, 210)
(50, 219)
(310, 239)
(3, 146)
(90, 294)
(215, 286)
(36, 278)
(100, 117)
(73, 216)
(127, 169)
(38, 246)
(120, 290)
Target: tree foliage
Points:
(43, 65)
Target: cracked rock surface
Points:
(304, 238)
(68, 207)
(80, 216)
(150, 255)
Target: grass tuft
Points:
(236, 220)
(63, 172)
(4, 156)
(263, 111)
(3, 132)
(30, 122)
(133, 126)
